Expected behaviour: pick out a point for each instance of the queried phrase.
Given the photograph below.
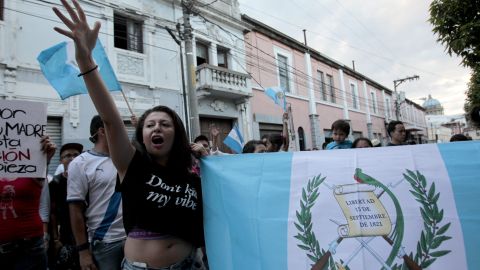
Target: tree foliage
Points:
(457, 24)
(473, 95)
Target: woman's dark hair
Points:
(459, 138)
(250, 146)
(180, 155)
(276, 140)
(357, 140)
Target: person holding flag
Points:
(278, 142)
(162, 199)
(234, 140)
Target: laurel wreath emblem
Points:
(431, 237)
(307, 238)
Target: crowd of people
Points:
(124, 204)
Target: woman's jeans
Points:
(24, 254)
(191, 262)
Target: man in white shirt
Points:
(95, 206)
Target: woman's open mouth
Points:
(157, 141)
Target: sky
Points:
(387, 39)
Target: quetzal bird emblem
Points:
(397, 234)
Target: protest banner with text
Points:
(22, 124)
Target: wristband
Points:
(88, 71)
(83, 246)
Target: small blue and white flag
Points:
(419, 209)
(60, 68)
(234, 139)
(277, 94)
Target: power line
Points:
(342, 42)
(293, 68)
(103, 33)
(297, 73)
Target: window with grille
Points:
(283, 72)
(128, 33)
(321, 82)
(331, 88)
(222, 57)
(355, 103)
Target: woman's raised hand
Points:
(84, 37)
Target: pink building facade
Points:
(319, 91)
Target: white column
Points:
(385, 107)
(311, 90)
(212, 54)
(11, 29)
(367, 104)
(367, 101)
(315, 130)
(344, 95)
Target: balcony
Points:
(220, 82)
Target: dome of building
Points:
(433, 106)
(431, 102)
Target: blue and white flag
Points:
(277, 94)
(368, 208)
(234, 140)
(60, 68)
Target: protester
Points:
(278, 142)
(398, 134)
(94, 205)
(362, 143)
(201, 148)
(459, 137)
(22, 243)
(203, 140)
(62, 253)
(44, 211)
(340, 131)
(162, 199)
(254, 146)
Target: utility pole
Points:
(184, 90)
(397, 83)
(187, 6)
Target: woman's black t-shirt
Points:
(159, 200)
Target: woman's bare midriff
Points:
(157, 253)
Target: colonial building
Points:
(319, 91)
(144, 55)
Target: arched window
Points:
(301, 139)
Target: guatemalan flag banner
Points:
(60, 68)
(407, 207)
